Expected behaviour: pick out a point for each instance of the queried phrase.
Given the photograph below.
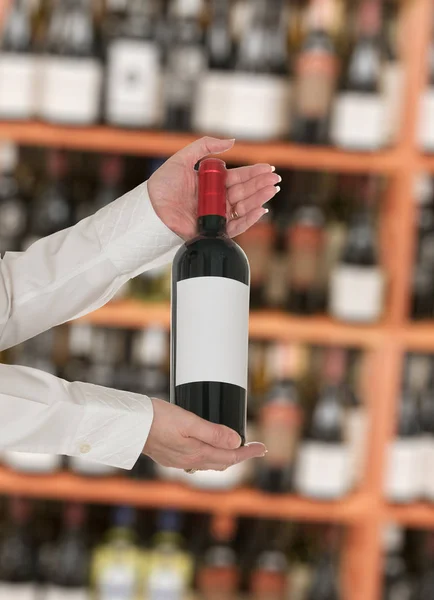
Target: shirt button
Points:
(85, 448)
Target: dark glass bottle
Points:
(315, 79)
(51, 208)
(18, 553)
(210, 310)
(325, 584)
(219, 40)
(13, 210)
(17, 65)
(186, 61)
(423, 280)
(69, 566)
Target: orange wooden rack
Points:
(366, 511)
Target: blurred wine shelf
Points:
(267, 325)
(162, 144)
(244, 502)
(412, 515)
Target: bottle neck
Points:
(211, 225)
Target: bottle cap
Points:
(212, 187)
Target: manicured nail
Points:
(280, 179)
(266, 210)
(277, 189)
(273, 169)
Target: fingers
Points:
(243, 174)
(241, 225)
(241, 191)
(206, 458)
(202, 148)
(214, 435)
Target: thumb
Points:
(212, 434)
(202, 148)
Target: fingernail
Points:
(273, 169)
(266, 210)
(277, 189)
(280, 179)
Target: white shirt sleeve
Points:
(60, 278)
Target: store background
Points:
(341, 507)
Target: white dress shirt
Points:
(59, 278)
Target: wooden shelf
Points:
(419, 336)
(162, 144)
(413, 515)
(155, 494)
(267, 325)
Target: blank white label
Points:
(426, 122)
(17, 86)
(71, 90)
(249, 106)
(212, 331)
(427, 471)
(322, 470)
(357, 121)
(58, 593)
(134, 90)
(403, 470)
(17, 591)
(356, 293)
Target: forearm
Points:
(78, 270)
(45, 414)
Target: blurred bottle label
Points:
(58, 593)
(10, 591)
(316, 82)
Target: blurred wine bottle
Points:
(404, 458)
(423, 280)
(18, 554)
(426, 118)
(398, 584)
(186, 62)
(325, 584)
(357, 282)
(18, 70)
(305, 240)
(218, 573)
(323, 462)
(68, 575)
(72, 63)
(13, 210)
(426, 415)
(134, 76)
(359, 108)
(281, 418)
(316, 74)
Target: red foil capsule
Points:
(212, 187)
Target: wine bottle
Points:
(212, 87)
(170, 567)
(323, 460)
(150, 355)
(218, 575)
(325, 583)
(186, 62)
(210, 313)
(403, 475)
(118, 566)
(359, 108)
(426, 411)
(393, 75)
(315, 78)
(13, 210)
(134, 82)
(269, 575)
(426, 119)
(258, 244)
(305, 241)
(357, 283)
(424, 588)
(79, 350)
(17, 554)
(260, 81)
(398, 583)
(356, 425)
(68, 576)
(72, 64)
(51, 207)
(281, 418)
(423, 281)
(18, 69)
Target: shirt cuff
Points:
(114, 427)
(132, 235)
